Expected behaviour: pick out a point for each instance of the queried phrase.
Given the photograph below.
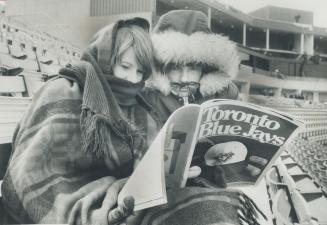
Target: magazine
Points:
(241, 139)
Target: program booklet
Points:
(240, 139)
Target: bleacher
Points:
(36, 52)
(28, 58)
(298, 183)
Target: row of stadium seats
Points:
(286, 104)
(295, 197)
(314, 117)
(32, 51)
(27, 59)
(20, 35)
(8, 59)
(12, 109)
(297, 185)
(287, 203)
(312, 157)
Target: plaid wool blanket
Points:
(49, 178)
(205, 206)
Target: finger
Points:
(194, 171)
(110, 200)
(219, 177)
(136, 218)
(89, 200)
(74, 212)
(258, 160)
(123, 211)
(169, 134)
(206, 140)
(254, 171)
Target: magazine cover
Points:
(238, 139)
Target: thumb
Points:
(123, 210)
(194, 172)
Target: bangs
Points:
(140, 41)
(143, 49)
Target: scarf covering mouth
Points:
(125, 91)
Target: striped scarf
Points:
(102, 120)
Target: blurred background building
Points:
(283, 66)
(274, 42)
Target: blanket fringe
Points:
(248, 212)
(95, 134)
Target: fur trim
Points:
(212, 49)
(158, 81)
(213, 83)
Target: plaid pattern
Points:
(49, 179)
(204, 206)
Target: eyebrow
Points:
(126, 62)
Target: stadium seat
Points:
(17, 52)
(283, 209)
(11, 111)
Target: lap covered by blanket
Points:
(49, 179)
(204, 206)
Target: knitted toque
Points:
(184, 21)
(183, 37)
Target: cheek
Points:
(118, 72)
(174, 76)
(194, 76)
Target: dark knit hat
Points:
(184, 21)
(184, 37)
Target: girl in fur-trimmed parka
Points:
(193, 64)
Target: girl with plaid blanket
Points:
(83, 133)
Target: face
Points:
(127, 68)
(184, 80)
(185, 74)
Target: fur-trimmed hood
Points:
(200, 47)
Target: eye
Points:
(125, 66)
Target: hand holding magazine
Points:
(240, 139)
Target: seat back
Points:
(12, 108)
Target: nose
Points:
(184, 75)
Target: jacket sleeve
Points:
(49, 179)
